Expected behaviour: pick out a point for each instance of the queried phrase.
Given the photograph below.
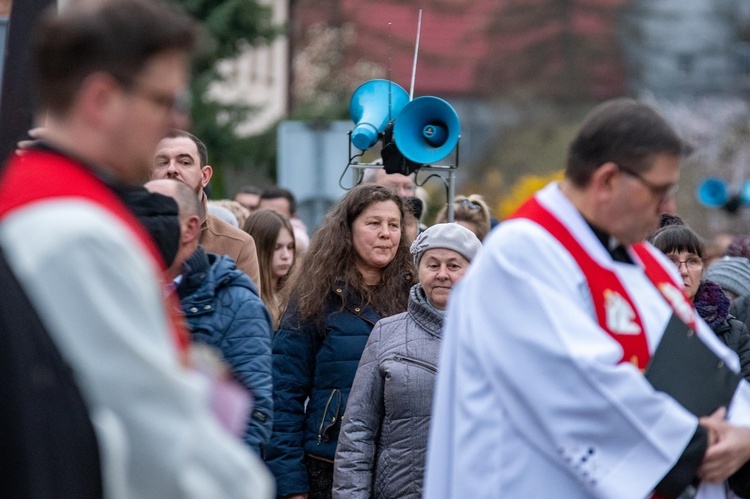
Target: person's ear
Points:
(206, 174)
(605, 180)
(191, 229)
(97, 98)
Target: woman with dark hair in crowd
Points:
(686, 250)
(471, 212)
(356, 270)
(274, 241)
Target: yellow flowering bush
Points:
(523, 189)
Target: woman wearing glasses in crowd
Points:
(686, 250)
(471, 212)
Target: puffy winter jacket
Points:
(318, 362)
(223, 310)
(383, 441)
(713, 307)
(740, 309)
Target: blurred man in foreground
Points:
(111, 74)
(540, 391)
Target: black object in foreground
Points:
(690, 372)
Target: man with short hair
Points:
(223, 309)
(540, 391)
(282, 201)
(403, 184)
(183, 156)
(249, 197)
(111, 73)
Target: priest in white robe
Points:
(540, 391)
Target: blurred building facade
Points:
(500, 64)
(259, 78)
(683, 49)
(4, 18)
(476, 54)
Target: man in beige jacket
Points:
(182, 156)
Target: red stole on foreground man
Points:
(42, 175)
(615, 309)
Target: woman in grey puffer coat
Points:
(383, 440)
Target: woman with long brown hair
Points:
(356, 270)
(274, 242)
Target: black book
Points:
(690, 372)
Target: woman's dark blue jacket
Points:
(319, 362)
(223, 309)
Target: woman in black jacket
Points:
(686, 250)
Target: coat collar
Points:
(353, 302)
(203, 199)
(194, 270)
(423, 313)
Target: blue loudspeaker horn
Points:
(369, 111)
(713, 193)
(427, 130)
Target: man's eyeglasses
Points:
(662, 192)
(176, 103)
(692, 263)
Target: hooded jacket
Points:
(223, 310)
(713, 307)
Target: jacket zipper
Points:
(321, 430)
(420, 363)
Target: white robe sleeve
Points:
(530, 389)
(98, 296)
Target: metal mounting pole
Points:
(451, 193)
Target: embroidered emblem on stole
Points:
(620, 316)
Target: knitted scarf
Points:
(711, 303)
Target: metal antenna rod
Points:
(416, 52)
(390, 81)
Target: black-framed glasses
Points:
(662, 192)
(179, 102)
